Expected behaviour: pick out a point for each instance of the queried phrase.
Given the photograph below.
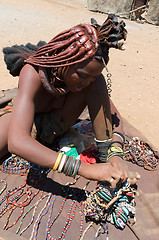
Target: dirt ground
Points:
(135, 71)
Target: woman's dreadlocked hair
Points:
(74, 45)
(15, 56)
(81, 43)
(109, 35)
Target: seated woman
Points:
(56, 83)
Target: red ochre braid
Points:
(69, 47)
(80, 43)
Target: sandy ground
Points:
(135, 72)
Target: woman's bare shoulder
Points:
(29, 79)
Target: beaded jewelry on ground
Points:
(141, 154)
(116, 206)
(12, 202)
(15, 165)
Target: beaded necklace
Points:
(49, 224)
(5, 196)
(10, 193)
(49, 218)
(25, 214)
(68, 192)
(7, 207)
(72, 209)
(15, 165)
(20, 205)
(82, 219)
(140, 153)
(41, 214)
(12, 202)
(7, 219)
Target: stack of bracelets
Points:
(115, 150)
(64, 164)
(140, 153)
(116, 206)
(67, 165)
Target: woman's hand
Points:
(101, 172)
(119, 164)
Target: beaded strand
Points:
(8, 194)
(32, 219)
(82, 219)
(11, 191)
(67, 224)
(21, 205)
(6, 227)
(5, 185)
(7, 207)
(49, 218)
(56, 217)
(38, 220)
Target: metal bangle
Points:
(117, 142)
(120, 135)
(77, 168)
(70, 166)
(112, 154)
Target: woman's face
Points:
(79, 76)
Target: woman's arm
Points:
(20, 141)
(101, 110)
(117, 125)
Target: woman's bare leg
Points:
(4, 125)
